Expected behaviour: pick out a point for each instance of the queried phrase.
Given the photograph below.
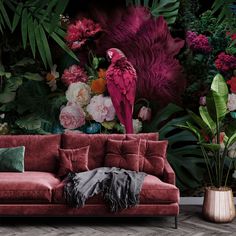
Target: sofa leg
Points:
(176, 222)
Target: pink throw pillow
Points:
(122, 154)
(73, 160)
(152, 156)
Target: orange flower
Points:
(98, 85)
(102, 73)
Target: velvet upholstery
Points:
(41, 151)
(122, 154)
(153, 191)
(38, 191)
(152, 157)
(101, 210)
(73, 160)
(30, 186)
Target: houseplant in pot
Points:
(216, 135)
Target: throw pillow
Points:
(73, 160)
(122, 154)
(152, 156)
(12, 159)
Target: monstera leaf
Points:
(167, 8)
(9, 92)
(30, 122)
(183, 154)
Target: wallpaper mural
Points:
(125, 66)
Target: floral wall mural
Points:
(56, 73)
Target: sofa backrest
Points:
(97, 144)
(41, 151)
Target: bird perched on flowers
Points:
(121, 84)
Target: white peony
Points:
(137, 124)
(101, 109)
(78, 93)
(231, 102)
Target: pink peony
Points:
(145, 113)
(225, 62)
(74, 74)
(101, 108)
(72, 116)
(79, 32)
(198, 43)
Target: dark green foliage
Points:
(38, 20)
(183, 153)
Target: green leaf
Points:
(24, 62)
(17, 16)
(211, 146)
(62, 44)
(33, 76)
(231, 140)
(9, 92)
(5, 15)
(30, 122)
(31, 34)
(216, 106)
(109, 124)
(60, 8)
(46, 46)
(219, 86)
(207, 119)
(40, 43)
(24, 20)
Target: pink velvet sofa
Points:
(39, 192)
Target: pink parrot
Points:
(121, 83)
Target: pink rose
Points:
(72, 116)
(145, 113)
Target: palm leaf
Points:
(4, 15)
(17, 16)
(167, 8)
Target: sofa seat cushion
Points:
(153, 191)
(27, 187)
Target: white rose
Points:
(79, 93)
(231, 102)
(234, 174)
(137, 124)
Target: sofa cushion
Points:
(37, 147)
(122, 154)
(152, 157)
(12, 159)
(29, 187)
(97, 144)
(73, 160)
(153, 191)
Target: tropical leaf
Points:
(33, 76)
(216, 106)
(4, 18)
(183, 152)
(167, 8)
(206, 118)
(9, 92)
(30, 122)
(219, 86)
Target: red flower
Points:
(198, 43)
(74, 74)
(232, 84)
(225, 62)
(79, 32)
(232, 36)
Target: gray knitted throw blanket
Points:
(120, 188)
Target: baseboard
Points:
(194, 200)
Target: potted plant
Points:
(215, 134)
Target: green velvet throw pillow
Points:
(12, 159)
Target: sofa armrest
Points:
(168, 174)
